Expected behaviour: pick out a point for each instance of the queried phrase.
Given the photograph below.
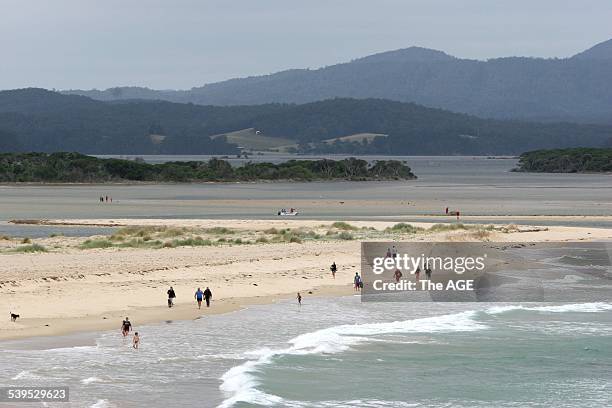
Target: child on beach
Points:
(136, 340)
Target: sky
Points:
(179, 44)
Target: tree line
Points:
(79, 168)
(581, 160)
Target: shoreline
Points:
(183, 311)
(73, 289)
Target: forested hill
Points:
(567, 161)
(40, 120)
(578, 88)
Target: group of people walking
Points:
(199, 296)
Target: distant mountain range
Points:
(575, 89)
(40, 120)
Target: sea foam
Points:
(575, 307)
(240, 383)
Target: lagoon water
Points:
(337, 352)
(474, 185)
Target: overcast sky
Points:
(176, 44)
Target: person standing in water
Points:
(198, 297)
(428, 272)
(126, 326)
(136, 341)
(207, 296)
(299, 299)
(333, 268)
(171, 296)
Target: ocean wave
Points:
(575, 307)
(240, 382)
(91, 380)
(26, 375)
(101, 403)
(188, 358)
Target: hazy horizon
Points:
(188, 43)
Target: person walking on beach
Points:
(126, 326)
(198, 297)
(398, 275)
(394, 252)
(357, 281)
(333, 268)
(428, 272)
(388, 253)
(136, 341)
(171, 296)
(299, 299)
(417, 273)
(207, 296)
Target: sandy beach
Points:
(73, 288)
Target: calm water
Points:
(338, 353)
(474, 185)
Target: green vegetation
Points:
(75, 167)
(404, 228)
(344, 226)
(579, 160)
(447, 227)
(30, 248)
(346, 236)
(96, 243)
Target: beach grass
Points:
(346, 236)
(30, 248)
(341, 225)
(96, 243)
(403, 228)
(447, 227)
(219, 231)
